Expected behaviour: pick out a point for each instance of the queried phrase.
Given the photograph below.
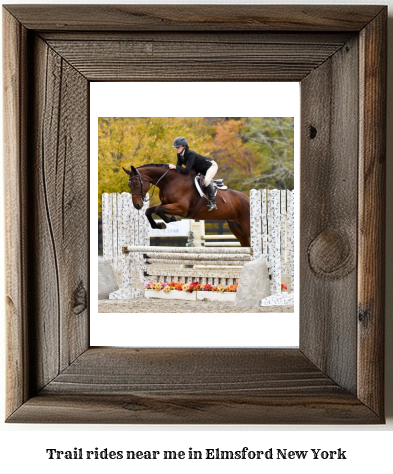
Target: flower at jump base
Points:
(158, 286)
(221, 288)
(167, 289)
(283, 286)
(185, 287)
(194, 286)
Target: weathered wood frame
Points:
(338, 54)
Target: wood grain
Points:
(60, 239)
(372, 191)
(328, 249)
(193, 386)
(213, 60)
(195, 18)
(14, 61)
(194, 409)
(187, 36)
(208, 371)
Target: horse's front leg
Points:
(174, 210)
(153, 223)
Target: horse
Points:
(179, 198)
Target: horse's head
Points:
(138, 185)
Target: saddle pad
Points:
(217, 183)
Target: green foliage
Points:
(273, 138)
(250, 152)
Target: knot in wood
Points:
(363, 316)
(330, 254)
(80, 299)
(313, 132)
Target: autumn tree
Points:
(254, 152)
(126, 141)
(274, 141)
(238, 158)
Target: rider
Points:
(201, 164)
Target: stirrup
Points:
(211, 206)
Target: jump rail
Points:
(272, 236)
(206, 238)
(211, 258)
(186, 250)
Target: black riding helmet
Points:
(180, 141)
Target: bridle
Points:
(138, 175)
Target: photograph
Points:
(198, 211)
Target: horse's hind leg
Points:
(167, 219)
(239, 233)
(173, 219)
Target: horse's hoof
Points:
(161, 225)
(175, 218)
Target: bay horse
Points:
(179, 198)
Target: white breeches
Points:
(210, 173)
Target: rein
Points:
(141, 184)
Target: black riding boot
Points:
(211, 192)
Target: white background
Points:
(22, 447)
(204, 99)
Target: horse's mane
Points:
(152, 164)
(164, 165)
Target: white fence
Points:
(122, 225)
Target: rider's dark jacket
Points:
(192, 160)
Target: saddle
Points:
(200, 185)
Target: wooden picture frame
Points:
(338, 54)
